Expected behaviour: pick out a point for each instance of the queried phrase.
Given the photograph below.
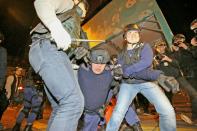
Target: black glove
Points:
(117, 72)
(80, 52)
(168, 83)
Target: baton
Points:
(86, 40)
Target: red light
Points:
(20, 88)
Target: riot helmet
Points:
(99, 56)
(130, 27)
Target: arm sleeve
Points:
(147, 74)
(46, 12)
(8, 84)
(146, 58)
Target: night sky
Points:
(16, 17)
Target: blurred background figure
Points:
(164, 62)
(33, 99)
(14, 86)
(184, 54)
(3, 69)
(193, 27)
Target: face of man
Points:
(132, 36)
(19, 71)
(98, 68)
(194, 41)
(161, 49)
(82, 6)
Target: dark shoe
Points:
(137, 127)
(28, 127)
(16, 127)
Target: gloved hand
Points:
(80, 52)
(101, 111)
(117, 72)
(60, 35)
(168, 83)
(173, 84)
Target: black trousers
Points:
(187, 86)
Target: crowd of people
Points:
(156, 73)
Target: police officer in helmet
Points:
(95, 81)
(136, 57)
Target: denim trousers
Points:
(130, 116)
(167, 118)
(62, 87)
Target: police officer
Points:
(164, 62)
(33, 98)
(136, 57)
(49, 40)
(188, 65)
(95, 81)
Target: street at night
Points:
(149, 122)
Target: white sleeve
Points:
(46, 11)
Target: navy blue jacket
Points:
(94, 87)
(141, 69)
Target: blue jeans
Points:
(154, 94)
(55, 69)
(130, 116)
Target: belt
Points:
(36, 38)
(132, 81)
